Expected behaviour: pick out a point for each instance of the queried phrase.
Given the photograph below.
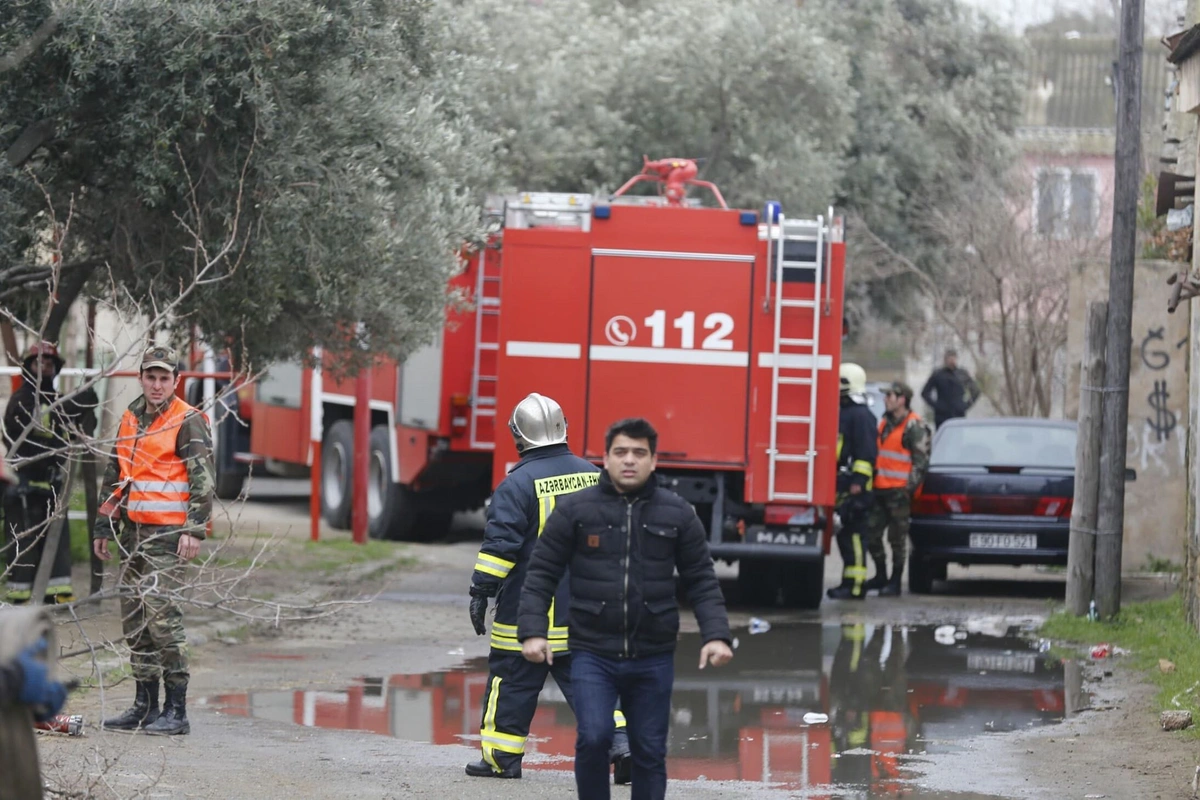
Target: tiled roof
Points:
(1069, 83)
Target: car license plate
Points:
(1004, 541)
(1002, 662)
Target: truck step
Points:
(798, 497)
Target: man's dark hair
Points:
(634, 428)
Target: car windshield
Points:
(1014, 445)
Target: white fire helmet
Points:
(537, 421)
(853, 380)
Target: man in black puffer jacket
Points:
(623, 539)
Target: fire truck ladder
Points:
(796, 361)
(483, 387)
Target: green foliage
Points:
(335, 153)
(307, 138)
(1149, 631)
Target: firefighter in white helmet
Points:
(856, 451)
(515, 519)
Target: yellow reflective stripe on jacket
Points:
(863, 467)
(493, 565)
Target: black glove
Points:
(479, 606)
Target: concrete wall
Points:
(1159, 416)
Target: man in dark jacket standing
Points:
(38, 429)
(547, 472)
(623, 539)
(950, 390)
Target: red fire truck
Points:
(721, 326)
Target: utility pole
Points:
(1082, 550)
(1111, 509)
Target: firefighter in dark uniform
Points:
(515, 519)
(43, 426)
(856, 468)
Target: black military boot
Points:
(143, 711)
(893, 586)
(482, 769)
(881, 576)
(173, 721)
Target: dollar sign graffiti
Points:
(1164, 418)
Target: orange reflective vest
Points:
(154, 479)
(893, 464)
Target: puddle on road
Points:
(873, 697)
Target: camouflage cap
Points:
(160, 356)
(901, 389)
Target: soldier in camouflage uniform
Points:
(900, 468)
(158, 489)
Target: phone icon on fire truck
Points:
(620, 330)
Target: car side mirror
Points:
(1130, 474)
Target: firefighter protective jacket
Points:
(856, 446)
(622, 551)
(516, 517)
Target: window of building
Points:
(1066, 202)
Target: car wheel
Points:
(920, 575)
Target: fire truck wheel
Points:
(805, 585)
(337, 454)
(417, 517)
(756, 583)
(229, 485)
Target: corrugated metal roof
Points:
(1070, 83)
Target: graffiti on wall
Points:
(1154, 446)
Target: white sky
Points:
(1161, 15)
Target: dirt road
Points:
(936, 697)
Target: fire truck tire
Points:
(416, 517)
(805, 585)
(337, 456)
(756, 583)
(229, 485)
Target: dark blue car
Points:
(998, 491)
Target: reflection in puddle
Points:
(888, 692)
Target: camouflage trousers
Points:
(152, 578)
(892, 510)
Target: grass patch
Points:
(330, 555)
(1150, 631)
(81, 541)
(1156, 564)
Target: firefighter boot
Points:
(173, 721)
(881, 575)
(143, 711)
(845, 592)
(893, 585)
(482, 769)
(621, 758)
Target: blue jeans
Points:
(644, 688)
